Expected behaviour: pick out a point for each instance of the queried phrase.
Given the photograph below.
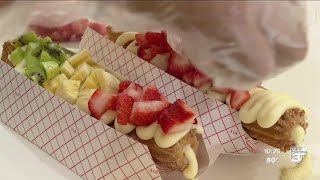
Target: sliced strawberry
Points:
(145, 113)
(136, 87)
(151, 93)
(97, 103)
(195, 121)
(160, 61)
(176, 117)
(163, 98)
(124, 85)
(111, 102)
(156, 39)
(136, 95)
(238, 98)
(178, 66)
(188, 77)
(124, 108)
(141, 40)
(199, 79)
(147, 54)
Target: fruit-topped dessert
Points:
(143, 113)
(168, 129)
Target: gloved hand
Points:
(237, 43)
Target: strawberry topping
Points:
(124, 85)
(99, 102)
(111, 102)
(151, 93)
(147, 54)
(238, 98)
(178, 66)
(195, 121)
(145, 113)
(176, 117)
(124, 108)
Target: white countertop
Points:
(19, 159)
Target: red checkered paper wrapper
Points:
(86, 146)
(221, 124)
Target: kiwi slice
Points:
(25, 39)
(36, 73)
(17, 56)
(55, 51)
(21, 66)
(45, 57)
(34, 49)
(51, 69)
(31, 60)
(46, 40)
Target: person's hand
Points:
(237, 43)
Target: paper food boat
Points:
(94, 150)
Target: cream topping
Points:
(267, 107)
(124, 129)
(133, 48)
(163, 140)
(199, 129)
(298, 135)
(192, 169)
(126, 37)
(147, 132)
(168, 140)
(108, 117)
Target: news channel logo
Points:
(297, 154)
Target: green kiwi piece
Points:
(55, 51)
(33, 49)
(17, 56)
(36, 73)
(51, 69)
(25, 39)
(21, 66)
(46, 40)
(45, 57)
(31, 60)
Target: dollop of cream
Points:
(108, 117)
(266, 107)
(147, 132)
(192, 169)
(298, 135)
(299, 172)
(126, 37)
(168, 140)
(124, 129)
(199, 129)
(133, 48)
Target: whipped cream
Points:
(147, 132)
(124, 129)
(192, 169)
(168, 140)
(108, 117)
(267, 107)
(199, 129)
(126, 37)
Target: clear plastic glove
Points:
(237, 43)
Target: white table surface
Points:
(19, 159)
